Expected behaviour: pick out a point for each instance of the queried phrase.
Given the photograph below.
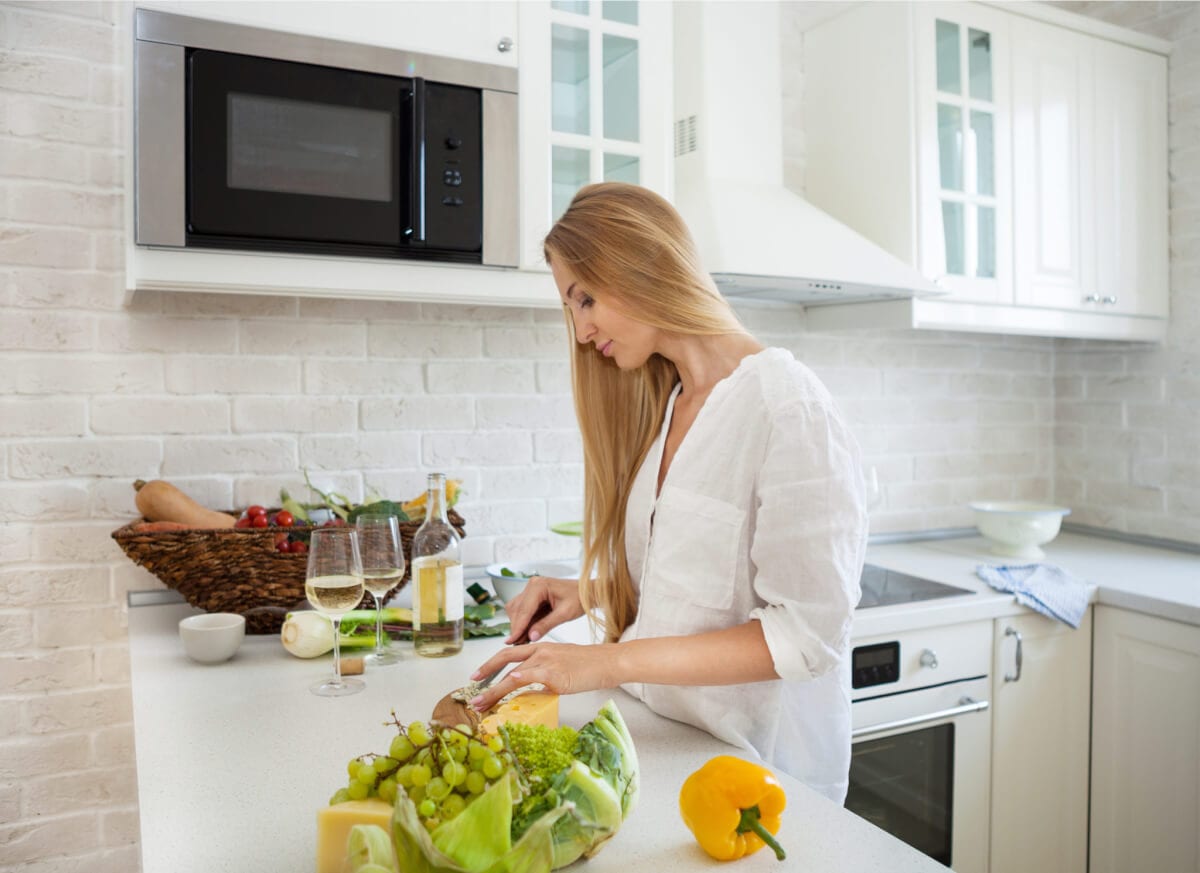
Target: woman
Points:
(724, 522)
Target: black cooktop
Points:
(882, 587)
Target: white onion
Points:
(307, 634)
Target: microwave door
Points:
(294, 154)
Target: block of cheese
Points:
(531, 707)
(333, 828)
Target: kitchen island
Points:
(234, 760)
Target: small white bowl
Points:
(1018, 528)
(213, 637)
(508, 587)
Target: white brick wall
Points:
(230, 396)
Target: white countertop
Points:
(234, 760)
(1143, 578)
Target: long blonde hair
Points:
(629, 248)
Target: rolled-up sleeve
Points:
(809, 537)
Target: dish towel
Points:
(1045, 588)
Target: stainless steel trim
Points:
(163, 597)
(160, 189)
(915, 536)
(182, 30)
(965, 706)
(1013, 632)
(1135, 539)
(501, 182)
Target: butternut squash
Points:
(161, 501)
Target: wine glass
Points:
(383, 569)
(334, 585)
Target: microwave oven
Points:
(248, 138)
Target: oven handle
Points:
(965, 706)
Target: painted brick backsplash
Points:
(232, 396)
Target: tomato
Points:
(256, 510)
(259, 520)
(244, 521)
(297, 547)
(282, 546)
(285, 519)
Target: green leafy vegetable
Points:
(533, 820)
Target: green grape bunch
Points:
(441, 770)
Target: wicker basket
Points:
(237, 569)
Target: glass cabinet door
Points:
(966, 149)
(964, 193)
(596, 49)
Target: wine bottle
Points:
(437, 576)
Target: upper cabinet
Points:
(470, 29)
(593, 103)
(1020, 163)
(595, 82)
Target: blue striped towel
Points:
(1045, 588)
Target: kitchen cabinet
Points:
(594, 103)
(1145, 802)
(1016, 155)
(1040, 723)
(595, 84)
(471, 29)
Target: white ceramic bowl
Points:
(1018, 528)
(508, 587)
(213, 637)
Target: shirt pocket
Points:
(694, 556)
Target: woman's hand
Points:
(561, 667)
(545, 603)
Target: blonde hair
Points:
(628, 247)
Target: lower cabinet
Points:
(1145, 744)
(1041, 693)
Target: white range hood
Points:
(757, 238)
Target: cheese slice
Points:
(333, 829)
(532, 707)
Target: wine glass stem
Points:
(378, 623)
(337, 650)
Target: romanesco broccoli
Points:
(543, 751)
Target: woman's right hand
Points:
(545, 603)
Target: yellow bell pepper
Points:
(733, 808)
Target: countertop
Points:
(1145, 578)
(234, 760)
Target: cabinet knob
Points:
(1109, 300)
(1092, 298)
(505, 44)
(929, 659)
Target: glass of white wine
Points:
(383, 569)
(334, 586)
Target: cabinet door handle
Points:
(1109, 300)
(1092, 298)
(505, 44)
(1014, 677)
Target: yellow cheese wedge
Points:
(333, 828)
(532, 707)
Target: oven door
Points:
(920, 770)
(295, 154)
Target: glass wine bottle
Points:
(437, 577)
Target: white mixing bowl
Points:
(1018, 528)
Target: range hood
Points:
(758, 239)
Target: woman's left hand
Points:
(561, 667)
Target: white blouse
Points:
(761, 516)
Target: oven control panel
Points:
(919, 658)
(878, 664)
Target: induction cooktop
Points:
(882, 587)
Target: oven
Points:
(920, 764)
(253, 139)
